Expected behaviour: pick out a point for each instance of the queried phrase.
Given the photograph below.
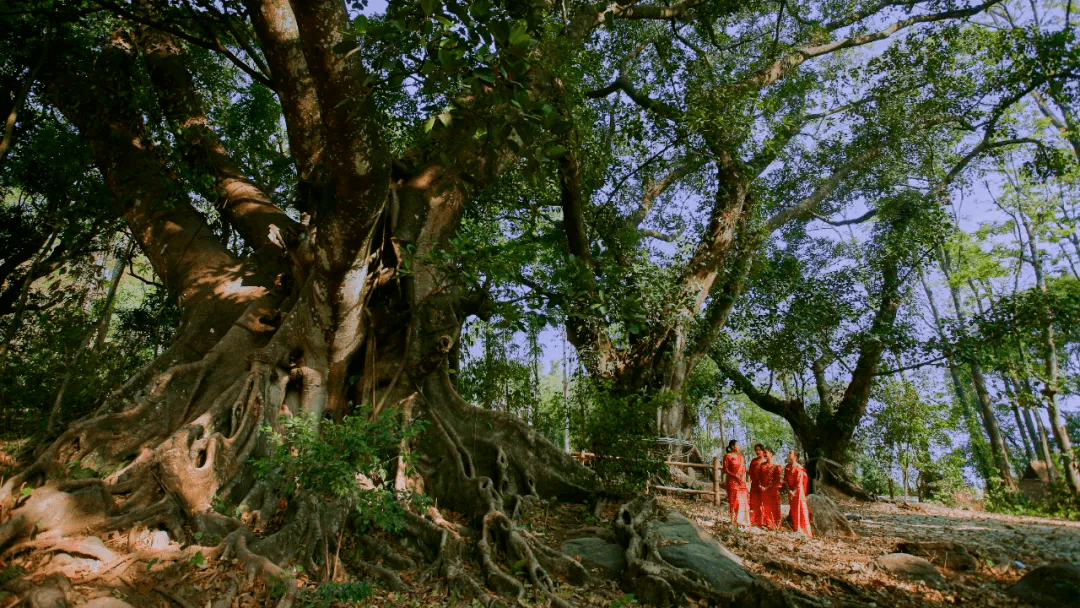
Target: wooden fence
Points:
(584, 457)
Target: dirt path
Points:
(840, 570)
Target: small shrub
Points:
(621, 431)
(327, 459)
(1059, 502)
(331, 592)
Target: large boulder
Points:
(684, 544)
(826, 519)
(600, 556)
(1053, 585)
(912, 568)
(943, 554)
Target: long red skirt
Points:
(755, 504)
(796, 480)
(737, 503)
(770, 498)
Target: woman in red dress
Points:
(772, 477)
(735, 482)
(797, 481)
(756, 484)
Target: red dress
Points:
(772, 477)
(736, 487)
(797, 481)
(757, 466)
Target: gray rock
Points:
(597, 554)
(71, 564)
(826, 519)
(910, 567)
(944, 554)
(159, 539)
(105, 602)
(51, 593)
(685, 545)
(1054, 585)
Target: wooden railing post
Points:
(716, 479)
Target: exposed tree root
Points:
(655, 582)
(188, 443)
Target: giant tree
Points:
(311, 268)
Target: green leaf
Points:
(555, 151)
(519, 34)
(429, 123)
(26, 492)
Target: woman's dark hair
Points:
(758, 446)
(731, 446)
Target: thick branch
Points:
(215, 46)
(16, 104)
(193, 263)
(791, 410)
(280, 39)
(265, 227)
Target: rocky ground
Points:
(988, 554)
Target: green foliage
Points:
(1059, 502)
(10, 573)
(907, 435)
(621, 431)
(326, 459)
(333, 592)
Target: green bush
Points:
(621, 431)
(1060, 502)
(326, 459)
(331, 592)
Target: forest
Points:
(351, 294)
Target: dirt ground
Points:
(840, 572)
(837, 571)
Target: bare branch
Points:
(777, 69)
(862, 218)
(905, 368)
(983, 147)
(660, 236)
(806, 206)
(644, 101)
(655, 189)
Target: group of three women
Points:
(762, 507)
